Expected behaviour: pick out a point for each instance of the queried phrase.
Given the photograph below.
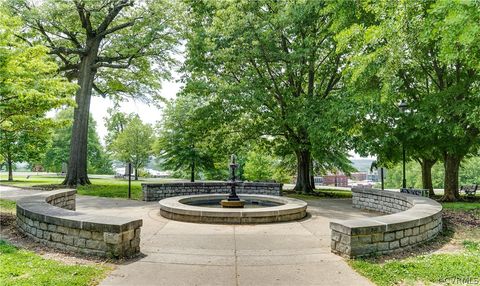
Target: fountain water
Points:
(234, 209)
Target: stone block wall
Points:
(412, 220)
(156, 192)
(377, 201)
(64, 200)
(49, 219)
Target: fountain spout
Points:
(233, 201)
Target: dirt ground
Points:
(8, 232)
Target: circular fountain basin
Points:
(207, 209)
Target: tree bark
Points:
(427, 184)
(77, 164)
(382, 178)
(303, 184)
(312, 175)
(136, 174)
(452, 166)
(192, 171)
(10, 171)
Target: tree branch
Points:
(119, 27)
(112, 14)
(84, 17)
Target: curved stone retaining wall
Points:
(156, 192)
(49, 219)
(411, 220)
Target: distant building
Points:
(38, 168)
(338, 180)
(359, 176)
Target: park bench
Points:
(469, 190)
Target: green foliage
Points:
(393, 177)
(469, 174)
(470, 171)
(29, 88)
(115, 122)
(418, 52)
(22, 267)
(26, 140)
(57, 154)
(181, 140)
(258, 167)
(264, 167)
(433, 268)
(30, 85)
(136, 38)
(134, 144)
(270, 70)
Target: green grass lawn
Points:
(23, 267)
(7, 206)
(461, 206)
(112, 188)
(446, 269)
(22, 181)
(319, 194)
(102, 187)
(461, 267)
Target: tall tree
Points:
(134, 144)
(180, 142)
(401, 55)
(116, 48)
(29, 87)
(98, 162)
(454, 28)
(115, 122)
(272, 68)
(24, 141)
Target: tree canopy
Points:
(405, 53)
(117, 48)
(273, 70)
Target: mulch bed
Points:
(470, 218)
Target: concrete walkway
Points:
(177, 253)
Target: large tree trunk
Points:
(10, 171)
(427, 184)
(452, 166)
(77, 164)
(303, 184)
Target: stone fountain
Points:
(231, 208)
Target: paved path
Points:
(177, 253)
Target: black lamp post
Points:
(403, 108)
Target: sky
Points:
(148, 114)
